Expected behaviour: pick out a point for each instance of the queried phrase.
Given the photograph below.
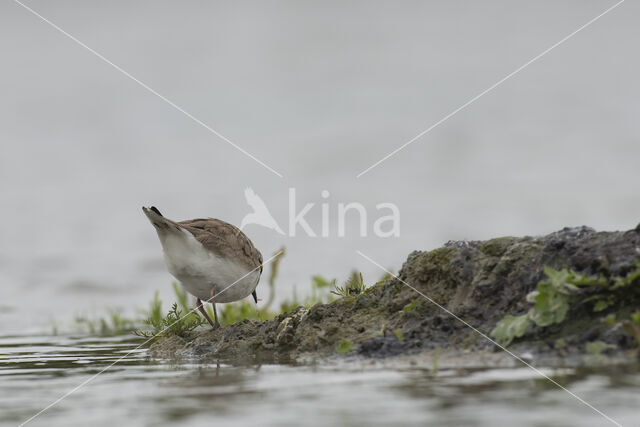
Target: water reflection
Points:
(36, 370)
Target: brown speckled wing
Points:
(224, 240)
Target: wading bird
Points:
(214, 260)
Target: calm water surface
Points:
(37, 370)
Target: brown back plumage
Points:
(224, 240)
(220, 237)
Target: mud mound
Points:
(479, 281)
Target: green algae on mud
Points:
(480, 282)
(564, 288)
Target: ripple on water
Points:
(37, 370)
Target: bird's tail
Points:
(156, 218)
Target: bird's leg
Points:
(203, 311)
(215, 312)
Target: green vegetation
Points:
(273, 273)
(510, 327)
(597, 347)
(563, 289)
(113, 324)
(176, 322)
(180, 320)
(154, 314)
(411, 306)
(630, 326)
(320, 287)
(343, 346)
(237, 311)
(353, 286)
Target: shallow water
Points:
(37, 370)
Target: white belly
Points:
(200, 271)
